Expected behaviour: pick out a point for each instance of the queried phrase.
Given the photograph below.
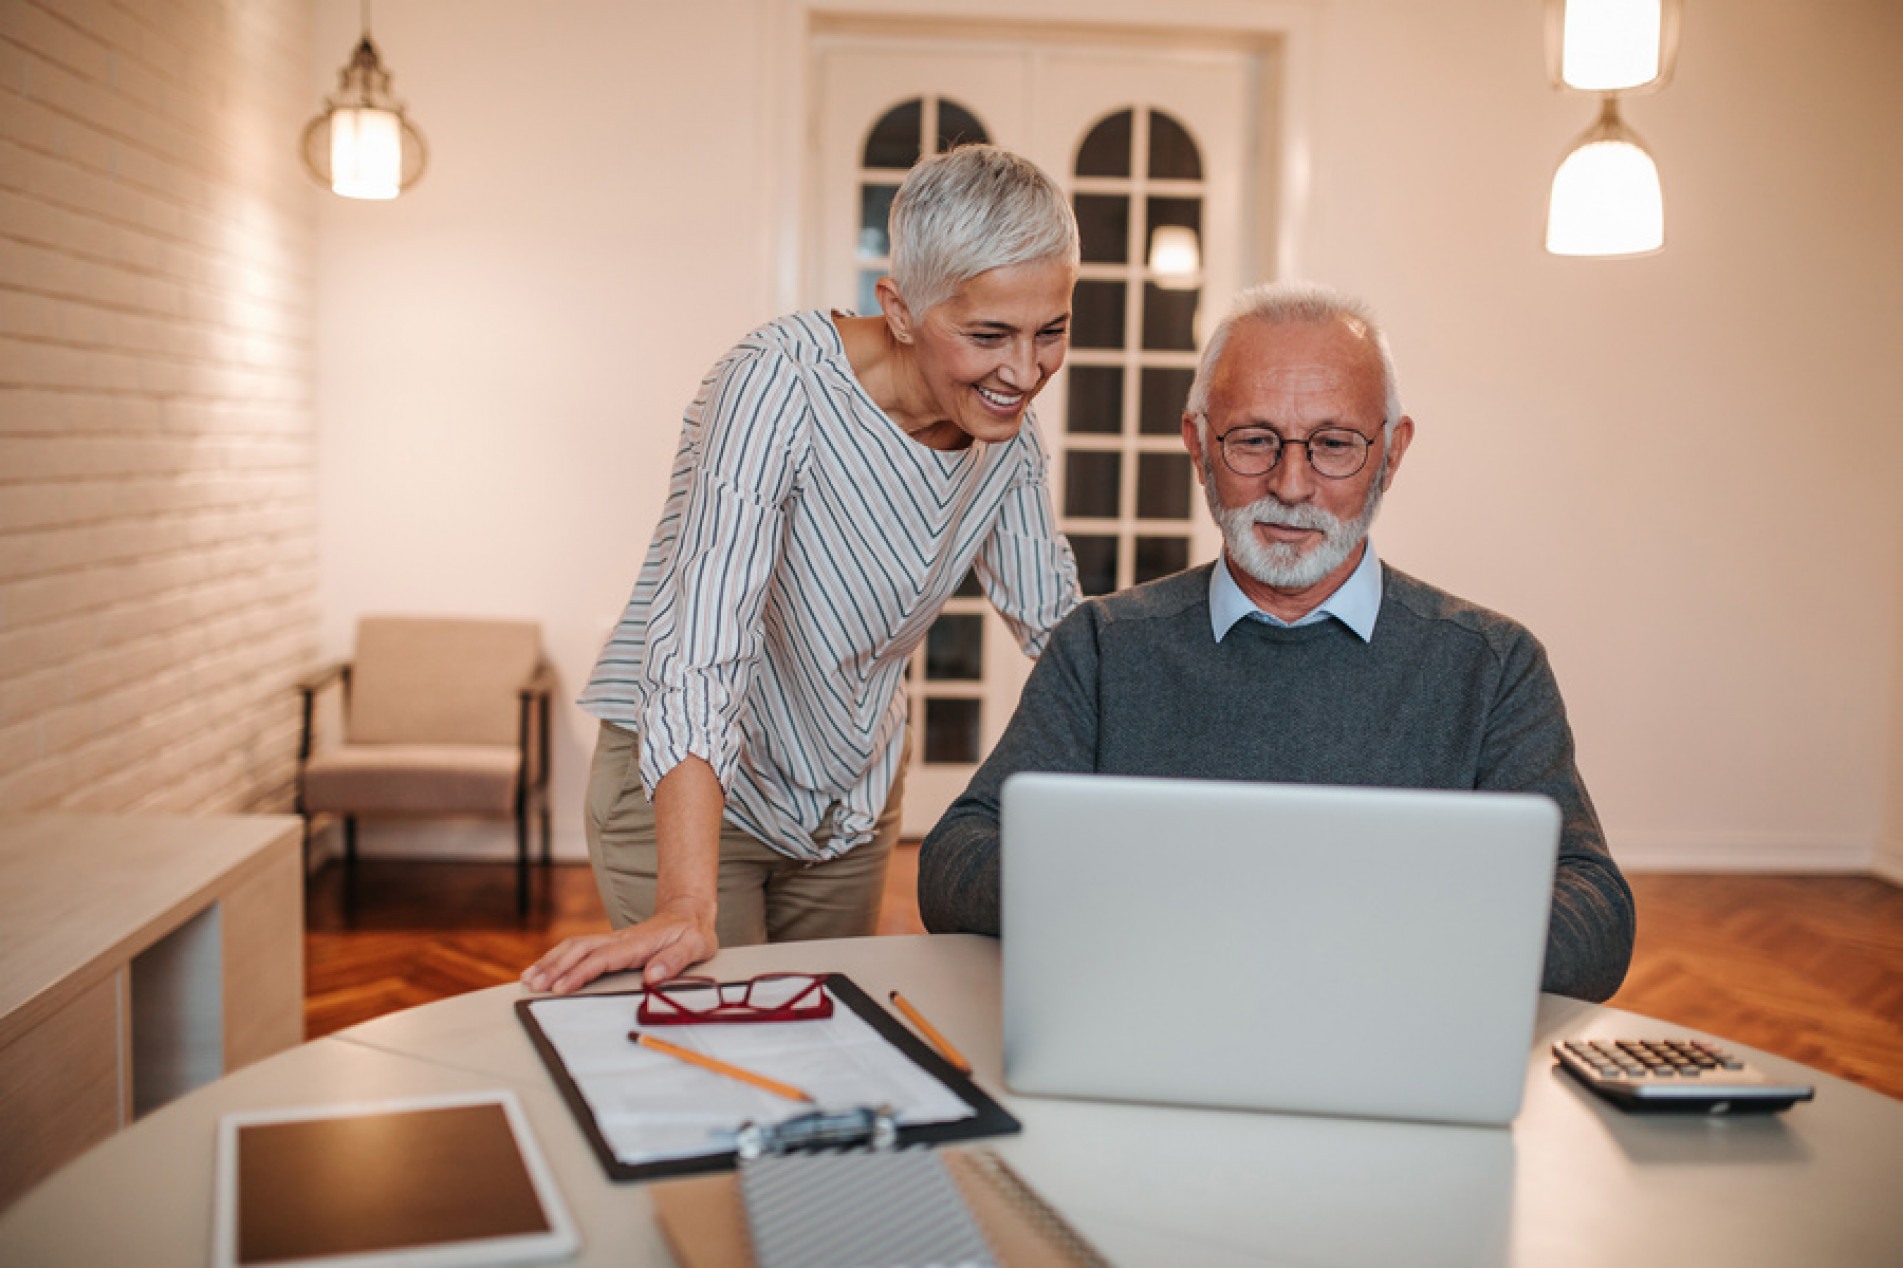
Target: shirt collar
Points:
(1356, 602)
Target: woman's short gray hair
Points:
(1280, 303)
(971, 210)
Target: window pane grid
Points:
(1123, 185)
(1154, 480)
(944, 676)
(953, 689)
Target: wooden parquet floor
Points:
(1807, 967)
(426, 930)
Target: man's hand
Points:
(666, 943)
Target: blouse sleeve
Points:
(1025, 566)
(745, 440)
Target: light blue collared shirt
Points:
(1356, 602)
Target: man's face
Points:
(1292, 536)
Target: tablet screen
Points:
(443, 1181)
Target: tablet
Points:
(428, 1182)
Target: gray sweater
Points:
(1447, 695)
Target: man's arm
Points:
(1054, 729)
(1528, 747)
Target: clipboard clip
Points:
(874, 1127)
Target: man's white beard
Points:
(1284, 565)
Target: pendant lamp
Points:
(1606, 198)
(362, 145)
(1611, 45)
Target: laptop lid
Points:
(1310, 948)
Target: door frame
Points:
(1283, 33)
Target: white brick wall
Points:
(158, 506)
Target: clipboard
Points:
(988, 1118)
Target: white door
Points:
(1144, 141)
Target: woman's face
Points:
(986, 351)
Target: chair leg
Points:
(522, 861)
(350, 868)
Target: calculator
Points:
(1688, 1076)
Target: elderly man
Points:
(1297, 656)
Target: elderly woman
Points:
(836, 479)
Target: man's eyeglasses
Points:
(768, 997)
(1334, 452)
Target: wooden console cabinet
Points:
(141, 956)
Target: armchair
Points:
(442, 717)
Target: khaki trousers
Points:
(764, 895)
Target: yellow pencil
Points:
(718, 1066)
(930, 1031)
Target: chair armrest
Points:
(308, 686)
(316, 681)
(540, 683)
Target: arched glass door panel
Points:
(1128, 485)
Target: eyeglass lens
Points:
(764, 994)
(780, 991)
(1335, 452)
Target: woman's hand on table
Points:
(664, 945)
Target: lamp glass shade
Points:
(1606, 201)
(1176, 257)
(366, 153)
(1612, 45)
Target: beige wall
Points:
(1678, 470)
(1890, 854)
(157, 484)
(504, 352)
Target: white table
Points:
(1574, 1182)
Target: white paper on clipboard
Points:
(651, 1107)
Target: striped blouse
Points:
(804, 549)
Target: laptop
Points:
(1318, 949)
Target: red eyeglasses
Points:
(768, 997)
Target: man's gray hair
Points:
(1286, 303)
(971, 210)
